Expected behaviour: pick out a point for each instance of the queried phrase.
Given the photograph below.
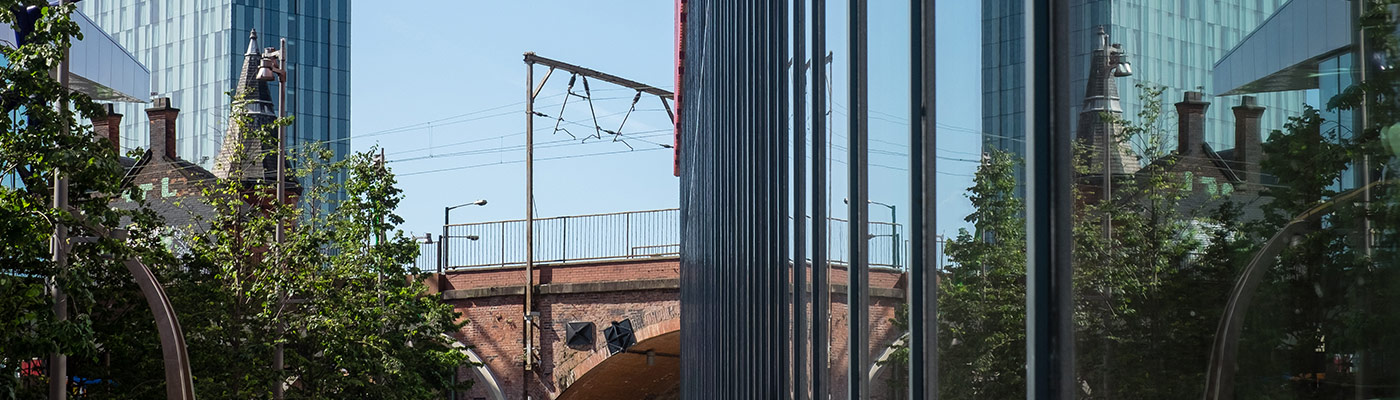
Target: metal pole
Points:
(799, 201)
(529, 223)
(859, 266)
(923, 187)
(1362, 122)
(442, 241)
(277, 355)
(58, 362)
(1049, 329)
(821, 284)
(894, 235)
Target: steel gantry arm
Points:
(532, 58)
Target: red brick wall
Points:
(495, 326)
(172, 190)
(611, 271)
(494, 330)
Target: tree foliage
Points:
(338, 294)
(42, 136)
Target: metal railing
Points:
(889, 246)
(616, 236)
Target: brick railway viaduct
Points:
(640, 285)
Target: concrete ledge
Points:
(565, 288)
(887, 293)
(622, 286)
(462, 294)
(615, 286)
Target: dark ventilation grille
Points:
(620, 336)
(579, 334)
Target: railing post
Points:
(564, 246)
(503, 244)
(627, 236)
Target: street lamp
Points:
(273, 67)
(442, 240)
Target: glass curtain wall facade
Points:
(195, 51)
(1172, 44)
(1260, 267)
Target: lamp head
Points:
(481, 202)
(1124, 69)
(268, 69)
(473, 237)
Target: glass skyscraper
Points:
(195, 50)
(1173, 44)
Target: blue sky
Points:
(442, 92)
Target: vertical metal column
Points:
(442, 241)
(821, 278)
(1362, 68)
(526, 334)
(58, 362)
(799, 200)
(779, 191)
(1049, 302)
(923, 190)
(858, 302)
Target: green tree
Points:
(1320, 317)
(981, 297)
(42, 136)
(339, 294)
(1149, 280)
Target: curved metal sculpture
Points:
(1220, 375)
(493, 387)
(178, 381)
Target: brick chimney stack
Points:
(1248, 149)
(1191, 124)
(162, 117)
(109, 126)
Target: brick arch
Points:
(647, 332)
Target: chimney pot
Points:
(1248, 147)
(162, 117)
(108, 126)
(1191, 122)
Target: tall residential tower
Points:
(195, 51)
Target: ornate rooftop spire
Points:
(1100, 101)
(259, 160)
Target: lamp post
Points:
(442, 240)
(273, 67)
(894, 228)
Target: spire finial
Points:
(1103, 38)
(252, 42)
